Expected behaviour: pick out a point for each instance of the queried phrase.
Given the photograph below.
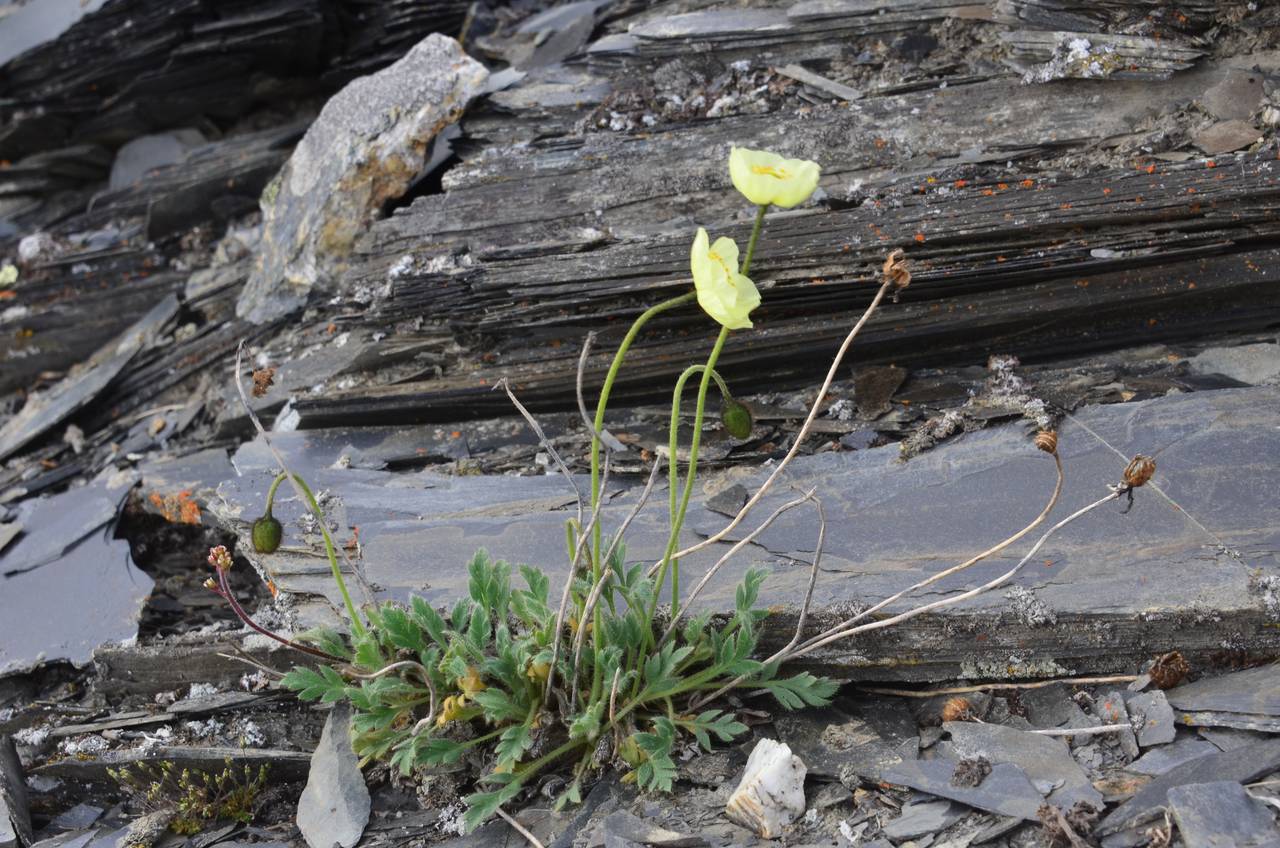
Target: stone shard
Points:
(922, 819)
(1042, 758)
(66, 586)
(369, 144)
(15, 820)
(1153, 717)
(851, 740)
(334, 807)
(770, 795)
(1221, 813)
(1226, 136)
(1005, 791)
(1242, 766)
(1165, 757)
(1254, 691)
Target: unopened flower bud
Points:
(267, 534)
(736, 418)
(220, 558)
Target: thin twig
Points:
(1082, 731)
(584, 537)
(330, 548)
(519, 828)
(426, 678)
(964, 690)
(739, 545)
(606, 438)
(800, 437)
(955, 599)
(1067, 830)
(241, 656)
(872, 610)
(800, 621)
(542, 440)
(613, 694)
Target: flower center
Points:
(776, 172)
(716, 258)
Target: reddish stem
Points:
(225, 591)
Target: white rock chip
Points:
(770, 795)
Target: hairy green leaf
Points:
(324, 684)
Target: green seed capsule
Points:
(267, 534)
(736, 418)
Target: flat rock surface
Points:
(334, 806)
(1109, 589)
(1042, 758)
(1254, 690)
(1221, 813)
(66, 585)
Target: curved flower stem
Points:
(224, 589)
(271, 493)
(695, 441)
(673, 471)
(601, 405)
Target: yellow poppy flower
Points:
(723, 293)
(765, 178)
(452, 708)
(538, 671)
(471, 683)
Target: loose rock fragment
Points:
(334, 807)
(771, 793)
(368, 146)
(1220, 813)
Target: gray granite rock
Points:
(1044, 759)
(1005, 791)
(1221, 813)
(369, 144)
(1153, 717)
(334, 807)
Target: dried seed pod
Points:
(1139, 471)
(263, 379)
(1169, 670)
(895, 269)
(1047, 441)
(957, 709)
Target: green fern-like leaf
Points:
(802, 690)
(482, 805)
(324, 684)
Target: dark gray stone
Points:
(1237, 721)
(850, 741)
(1229, 739)
(1242, 766)
(334, 807)
(1160, 759)
(1226, 137)
(1005, 791)
(1111, 709)
(64, 593)
(1042, 758)
(1236, 97)
(1254, 690)
(145, 152)
(369, 144)
(922, 819)
(627, 828)
(1211, 815)
(1153, 717)
(1052, 706)
(78, 817)
(1097, 583)
(1255, 364)
(15, 818)
(35, 23)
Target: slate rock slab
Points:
(1153, 717)
(849, 741)
(1042, 758)
(922, 819)
(369, 144)
(15, 819)
(1211, 815)
(334, 807)
(1162, 758)
(1005, 791)
(1254, 690)
(1241, 766)
(1121, 586)
(67, 586)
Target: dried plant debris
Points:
(971, 772)
(1047, 56)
